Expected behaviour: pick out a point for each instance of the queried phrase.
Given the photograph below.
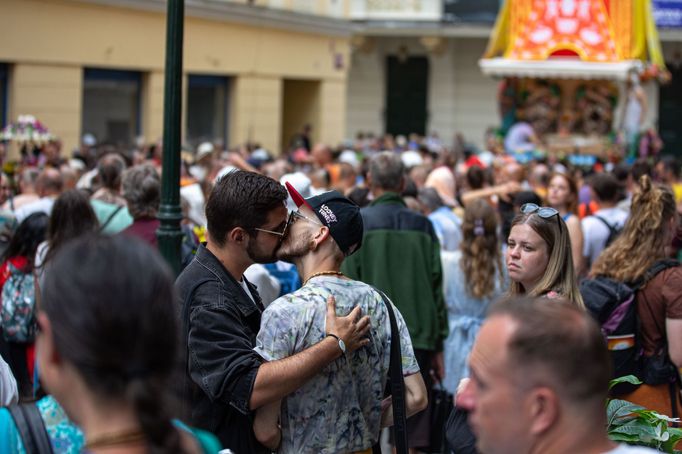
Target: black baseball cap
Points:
(336, 212)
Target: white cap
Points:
(411, 158)
(204, 150)
(349, 157)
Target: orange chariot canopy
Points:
(605, 39)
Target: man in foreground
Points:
(539, 380)
(340, 409)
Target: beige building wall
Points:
(332, 117)
(475, 95)
(301, 105)
(67, 36)
(460, 97)
(256, 111)
(53, 94)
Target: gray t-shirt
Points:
(338, 410)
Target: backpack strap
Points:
(110, 218)
(31, 428)
(613, 230)
(653, 270)
(397, 383)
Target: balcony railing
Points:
(401, 10)
(426, 10)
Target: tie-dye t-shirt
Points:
(338, 410)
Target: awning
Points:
(560, 68)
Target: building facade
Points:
(259, 70)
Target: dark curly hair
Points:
(241, 199)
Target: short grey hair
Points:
(430, 199)
(141, 187)
(387, 171)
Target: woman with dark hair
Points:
(643, 242)
(473, 277)
(107, 347)
(72, 216)
(17, 263)
(539, 260)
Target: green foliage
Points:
(635, 425)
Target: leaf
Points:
(625, 379)
(618, 408)
(625, 438)
(636, 428)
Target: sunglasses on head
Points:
(543, 212)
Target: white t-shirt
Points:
(8, 385)
(595, 233)
(627, 449)
(268, 286)
(43, 205)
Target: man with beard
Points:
(224, 379)
(340, 409)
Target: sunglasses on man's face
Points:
(272, 232)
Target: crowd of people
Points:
(312, 279)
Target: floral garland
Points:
(26, 131)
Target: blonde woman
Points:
(538, 257)
(649, 230)
(473, 277)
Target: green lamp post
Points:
(169, 233)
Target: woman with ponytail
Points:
(473, 277)
(642, 244)
(107, 346)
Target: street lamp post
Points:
(169, 233)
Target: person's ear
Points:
(237, 235)
(543, 409)
(319, 237)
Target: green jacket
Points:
(400, 255)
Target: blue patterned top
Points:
(338, 410)
(67, 438)
(465, 317)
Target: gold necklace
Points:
(115, 439)
(324, 273)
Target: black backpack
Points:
(613, 305)
(614, 231)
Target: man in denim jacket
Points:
(224, 379)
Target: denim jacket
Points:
(219, 327)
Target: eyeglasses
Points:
(272, 232)
(297, 215)
(543, 212)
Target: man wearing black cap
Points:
(224, 380)
(338, 410)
